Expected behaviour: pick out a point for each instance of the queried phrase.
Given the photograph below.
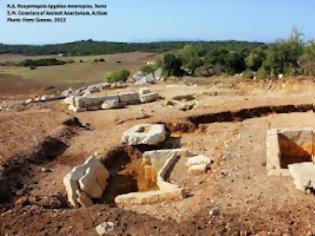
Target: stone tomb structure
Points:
(290, 152)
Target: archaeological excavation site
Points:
(202, 159)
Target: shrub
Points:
(33, 67)
(41, 62)
(255, 59)
(172, 65)
(148, 69)
(101, 60)
(248, 74)
(118, 76)
(262, 73)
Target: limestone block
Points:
(144, 90)
(157, 158)
(84, 199)
(198, 164)
(149, 97)
(129, 98)
(68, 100)
(150, 134)
(76, 109)
(111, 102)
(89, 185)
(89, 178)
(303, 175)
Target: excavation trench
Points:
(248, 113)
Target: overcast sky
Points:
(155, 20)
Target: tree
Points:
(234, 62)
(172, 65)
(118, 76)
(282, 56)
(255, 59)
(307, 59)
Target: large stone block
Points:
(150, 134)
(129, 98)
(198, 164)
(149, 97)
(89, 179)
(303, 175)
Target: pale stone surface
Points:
(89, 185)
(104, 228)
(149, 97)
(303, 175)
(83, 199)
(144, 90)
(157, 158)
(69, 100)
(111, 102)
(150, 134)
(28, 101)
(198, 164)
(129, 98)
(90, 178)
(76, 109)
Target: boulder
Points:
(83, 199)
(198, 164)
(148, 79)
(86, 181)
(150, 134)
(66, 93)
(137, 76)
(104, 228)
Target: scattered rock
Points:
(214, 212)
(104, 228)
(198, 164)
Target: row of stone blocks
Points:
(84, 103)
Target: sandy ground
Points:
(248, 200)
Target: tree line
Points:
(291, 56)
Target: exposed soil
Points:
(40, 143)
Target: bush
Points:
(148, 69)
(172, 65)
(33, 67)
(255, 59)
(262, 73)
(41, 62)
(118, 76)
(307, 60)
(248, 74)
(101, 60)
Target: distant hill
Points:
(90, 47)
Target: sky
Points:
(166, 20)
